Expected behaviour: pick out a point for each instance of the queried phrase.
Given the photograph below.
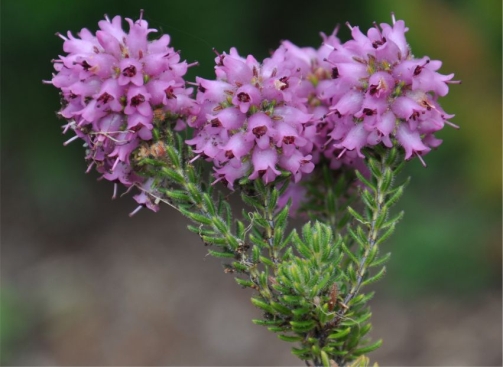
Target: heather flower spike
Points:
(386, 92)
(321, 133)
(253, 117)
(112, 84)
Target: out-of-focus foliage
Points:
(15, 322)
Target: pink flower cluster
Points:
(318, 71)
(256, 120)
(381, 93)
(253, 117)
(110, 84)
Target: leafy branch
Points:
(180, 184)
(317, 291)
(375, 227)
(378, 194)
(308, 285)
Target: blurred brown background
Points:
(83, 284)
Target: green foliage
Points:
(309, 284)
(319, 284)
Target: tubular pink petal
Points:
(410, 141)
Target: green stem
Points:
(270, 231)
(204, 210)
(385, 169)
(372, 234)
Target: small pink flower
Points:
(260, 130)
(297, 164)
(130, 72)
(246, 96)
(350, 103)
(231, 118)
(232, 171)
(138, 101)
(410, 141)
(381, 84)
(356, 139)
(237, 146)
(264, 165)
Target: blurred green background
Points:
(83, 284)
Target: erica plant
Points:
(318, 133)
